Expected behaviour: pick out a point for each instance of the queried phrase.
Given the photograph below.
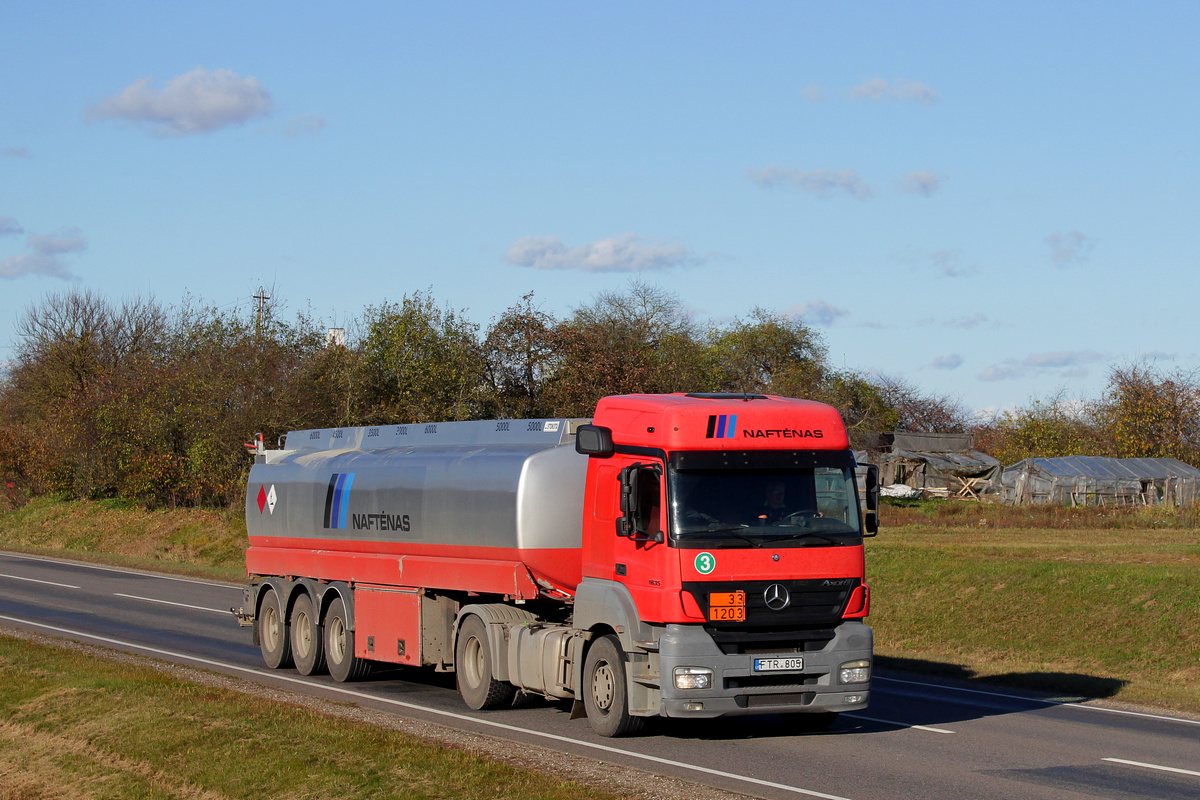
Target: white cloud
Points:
(305, 125)
(200, 101)
(820, 182)
(951, 264)
(1062, 364)
(970, 322)
(816, 312)
(10, 227)
(813, 93)
(1069, 248)
(973, 321)
(624, 253)
(924, 182)
(1063, 358)
(900, 89)
(1005, 371)
(46, 257)
(951, 361)
(17, 152)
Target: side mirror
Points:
(640, 503)
(871, 515)
(594, 440)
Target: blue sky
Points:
(994, 203)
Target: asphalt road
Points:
(918, 739)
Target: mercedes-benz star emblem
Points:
(777, 597)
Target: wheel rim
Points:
(270, 627)
(603, 686)
(337, 640)
(474, 666)
(303, 635)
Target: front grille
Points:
(764, 700)
(738, 643)
(813, 603)
(759, 681)
(805, 625)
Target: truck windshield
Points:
(802, 507)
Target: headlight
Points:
(854, 672)
(693, 678)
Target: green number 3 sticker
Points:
(705, 563)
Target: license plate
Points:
(778, 664)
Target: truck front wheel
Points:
(273, 635)
(473, 669)
(606, 690)
(339, 646)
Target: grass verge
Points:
(192, 541)
(1098, 613)
(76, 726)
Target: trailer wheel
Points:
(606, 691)
(273, 636)
(339, 646)
(473, 669)
(307, 648)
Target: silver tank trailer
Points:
(512, 484)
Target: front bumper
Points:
(738, 690)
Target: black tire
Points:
(274, 638)
(343, 665)
(476, 682)
(308, 650)
(812, 723)
(606, 690)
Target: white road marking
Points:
(35, 580)
(169, 603)
(1152, 766)
(425, 709)
(1061, 703)
(898, 724)
(117, 569)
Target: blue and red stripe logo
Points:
(337, 500)
(721, 426)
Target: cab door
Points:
(642, 560)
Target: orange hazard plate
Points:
(727, 606)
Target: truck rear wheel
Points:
(307, 648)
(339, 646)
(273, 635)
(473, 669)
(606, 690)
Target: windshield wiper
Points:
(734, 530)
(804, 535)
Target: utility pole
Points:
(262, 297)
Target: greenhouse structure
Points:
(938, 464)
(1093, 480)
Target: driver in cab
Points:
(774, 506)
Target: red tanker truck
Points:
(682, 556)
